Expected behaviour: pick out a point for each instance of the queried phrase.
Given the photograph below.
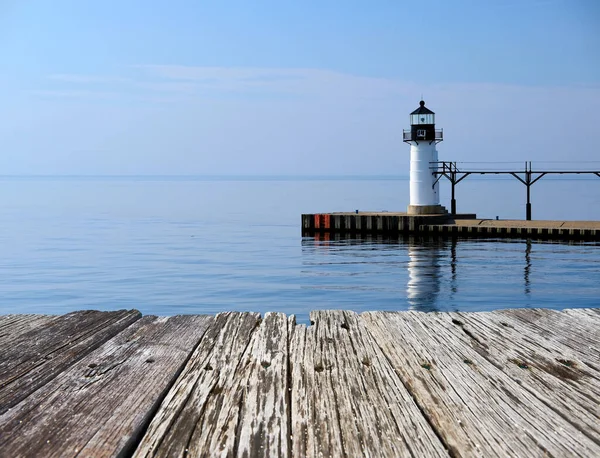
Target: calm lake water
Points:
(202, 245)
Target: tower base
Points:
(427, 210)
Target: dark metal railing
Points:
(407, 136)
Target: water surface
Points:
(189, 245)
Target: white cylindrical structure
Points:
(423, 156)
(423, 138)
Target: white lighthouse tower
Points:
(422, 138)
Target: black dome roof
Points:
(422, 109)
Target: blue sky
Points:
(305, 87)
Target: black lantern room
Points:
(422, 126)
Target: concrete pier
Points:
(521, 382)
(464, 225)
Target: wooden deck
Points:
(506, 383)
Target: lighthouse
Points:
(423, 138)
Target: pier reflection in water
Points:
(441, 274)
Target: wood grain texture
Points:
(101, 405)
(263, 421)
(507, 383)
(549, 371)
(477, 407)
(13, 326)
(346, 398)
(315, 424)
(33, 357)
(576, 329)
(199, 415)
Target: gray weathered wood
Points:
(476, 407)
(346, 398)
(35, 356)
(200, 413)
(263, 421)
(13, 326)
(578, 330)
(507, 383)
(593, 314)
(315, 424)
(100, 405)
(549, 371)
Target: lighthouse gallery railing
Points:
(407, 136)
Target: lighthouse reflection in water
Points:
(446, 274)
(425, 272)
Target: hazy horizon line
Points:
(206, 176)
(258, 177)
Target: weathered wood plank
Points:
(36, 356)
(476, 407)
(101, 405)
(577, 330)
(559, 336)
(315, 424)
(263, 420)
(196, 415)
(13, 326)
(594, 314)
(346, 398)
(550, 372)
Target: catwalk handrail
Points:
(527, 176)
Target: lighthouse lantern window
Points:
(422, 118)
